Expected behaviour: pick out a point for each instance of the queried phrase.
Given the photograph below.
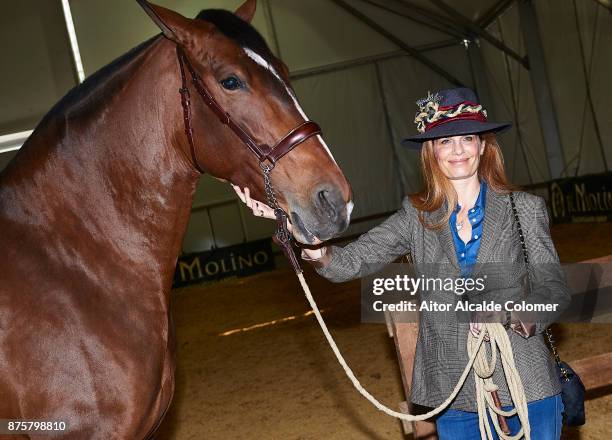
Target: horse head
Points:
(252, 86)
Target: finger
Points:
(247, 197)
(268, 214)
(263, 207)
(239, 192)
(259, 208)
(267, 210)
(474, 329)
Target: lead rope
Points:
(483, 367)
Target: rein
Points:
(267, 156)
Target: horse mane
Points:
(85, 97)
(238, 30)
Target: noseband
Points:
(267, 156)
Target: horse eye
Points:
(231, 83)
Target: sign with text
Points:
(238, 260)
(581, 199)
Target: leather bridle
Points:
(267, 156)
(263, 152)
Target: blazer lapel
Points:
(495, 211)
(445, 236)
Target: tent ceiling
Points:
(358, 66)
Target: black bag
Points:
(572, 388)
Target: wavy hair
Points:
(439, 189)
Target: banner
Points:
(581, 199)
(238, 260)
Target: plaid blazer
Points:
(441, 352)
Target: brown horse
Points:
(94, 207)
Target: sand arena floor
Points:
(281, 380)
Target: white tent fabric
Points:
(36, 64)
(561, 39)
(360, 143)
(362, 87)
(511, 86)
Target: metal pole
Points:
(13, 141)
(212, 229)
(441, 19)
(475, 29)
(515, 115)
(401, 9)
(398, 165)
(479, 74)
(245, 237)
(74, 45)
(342, 65)
(270, 17)
(587, 85)
(408, 49)
(495, 11)
(541, 88)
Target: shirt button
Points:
(476, 236)
(473, 220)
(462, 254)
(472, 210)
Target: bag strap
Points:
(549, 334)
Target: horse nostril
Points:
(326, 205)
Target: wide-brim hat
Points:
(451, 112)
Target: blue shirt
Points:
(468, 252)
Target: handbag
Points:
(572, 388)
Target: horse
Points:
(94, 207)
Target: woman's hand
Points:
(260, 209)
(476, 328)
(478, 318)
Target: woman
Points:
(462, 217)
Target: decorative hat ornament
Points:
(451, 112)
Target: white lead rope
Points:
(483, 371)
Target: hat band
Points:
(461, 116)
(432, 112)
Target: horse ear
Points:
(247, 10)
(173, 25)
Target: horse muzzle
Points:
(326, 216)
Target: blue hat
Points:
(451, 112)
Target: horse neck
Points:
(109, 169)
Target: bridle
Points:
(267, 156)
